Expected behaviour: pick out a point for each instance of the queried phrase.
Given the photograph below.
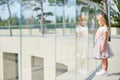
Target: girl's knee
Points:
(104, 60)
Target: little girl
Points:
(102, 48)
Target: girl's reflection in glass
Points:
(82, 45)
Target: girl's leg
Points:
(105, 64)
(104, 68)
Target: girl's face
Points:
(85, 22)
(100, 20)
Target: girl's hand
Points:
(102, 49)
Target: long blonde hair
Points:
(105, 20)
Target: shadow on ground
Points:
(115, 74)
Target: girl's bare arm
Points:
(103, 45)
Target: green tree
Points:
(116, 16)
(41, 16)
(104, 3)
(14, 20)
(45, 15)
(96, 1)
(1, 22)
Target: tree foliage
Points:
(116, 17)
(58, 2)
(97, 1)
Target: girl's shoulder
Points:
(78, 29)
(103, 29)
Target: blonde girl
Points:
(102, 48)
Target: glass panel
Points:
(43, 47)
(58, 32)
(37, 19)
(82, 52)
(87, 25)
(65, 56)
(65, 17)
(38, 39)
(65, 40)
(9, 17)
(11, 71)
(91, 42)
(30, 21)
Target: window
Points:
(37, 65)
(10, 66)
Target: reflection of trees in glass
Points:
(41, 19)
(28, 5)
(113, 13)
(116, 16)
(45, 15)
(60, 3)
(8, 3)
(42, 15)
(3, 23)
(14, 22)
(105, 3)
(87, 10)
(59, 19)
(91, 6)
(97, 1)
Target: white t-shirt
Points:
(81, 29)
(100, 32)
(103, 29)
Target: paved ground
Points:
(114, 63)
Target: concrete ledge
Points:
(115, 31)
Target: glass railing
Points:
(59, 48)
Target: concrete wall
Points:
(30, 46)
(51, 48)
(62, 51)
